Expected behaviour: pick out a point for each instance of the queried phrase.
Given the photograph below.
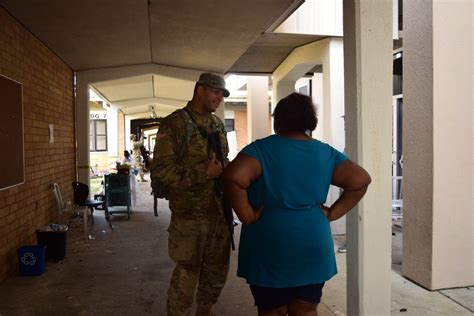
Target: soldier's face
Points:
(212, 98)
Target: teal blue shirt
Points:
(291, 243)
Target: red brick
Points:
(47, 97)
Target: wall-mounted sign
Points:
(98, 115)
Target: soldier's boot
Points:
(175, 309)
(204, 310)
(181, 291)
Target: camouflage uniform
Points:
(199, 240)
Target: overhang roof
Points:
(219, 36)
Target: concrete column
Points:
(333, 95)
(82, 130)
(438, 229)
(112, 132)
(368, 105)
(318, 94)
(333, 105)
(258, 116)
(329, 94)
(282, 89)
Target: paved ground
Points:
(125, 271)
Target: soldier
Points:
(137, 157)
(199, 239)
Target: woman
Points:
(277, 186)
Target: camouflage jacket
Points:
(191, 193)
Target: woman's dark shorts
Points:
(270, 298)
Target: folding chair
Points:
(62, 207)
(81, 194)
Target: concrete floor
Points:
(125, 271)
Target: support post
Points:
(368, 105)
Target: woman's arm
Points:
(354, 180)
(236, 178)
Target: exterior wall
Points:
(47, 99)
(322, 17)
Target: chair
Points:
(81, 194)
(62, 207)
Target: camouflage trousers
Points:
(201, 250)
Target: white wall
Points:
(321, 17)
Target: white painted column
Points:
(258, 116)
(368, 105)
(112, 129)
(318, 94)
(333, 85)
(128, 143)
(438, 229)
(82, 130)
(333, 104)
(280, 90)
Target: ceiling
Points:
(222, 36)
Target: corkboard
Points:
(12, 165)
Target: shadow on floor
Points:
(125, 271)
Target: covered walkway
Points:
(126, 270)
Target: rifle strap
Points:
(202, 132)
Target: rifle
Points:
(214, 141)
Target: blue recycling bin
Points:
(31, 259)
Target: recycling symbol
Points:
(28, 259)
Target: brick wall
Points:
(47, 99)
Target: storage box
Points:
(123, 169)
(31, 259)
(55, 240)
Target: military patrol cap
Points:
(213, 81)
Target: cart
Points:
(117, 195)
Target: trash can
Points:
(54, 237)
(31, 259)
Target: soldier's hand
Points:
(214, 168)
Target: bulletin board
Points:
(12, 156)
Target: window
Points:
(306, 88)
(229, 125)
(98, 135)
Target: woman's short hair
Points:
(295, 113)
